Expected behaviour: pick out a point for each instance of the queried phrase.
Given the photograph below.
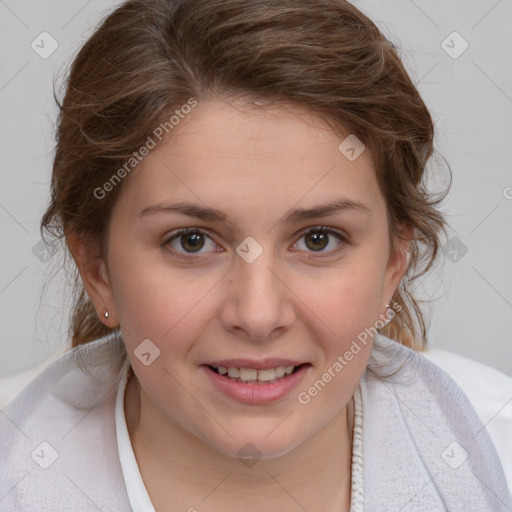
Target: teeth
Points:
(280, 371)
(246, 374)
(266, 375)
(234, 373)
(251, 374)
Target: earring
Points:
(106, 314)
(387, 314)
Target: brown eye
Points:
(191, 241)
(318, 239)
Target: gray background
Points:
(471, 100)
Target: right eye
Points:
(190, 241)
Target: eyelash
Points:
(316, 229)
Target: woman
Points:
(240, 185)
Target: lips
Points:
(254, 391)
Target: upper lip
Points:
(271, 362)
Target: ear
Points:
(94, 274)
(397, 264)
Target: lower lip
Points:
(257, 393)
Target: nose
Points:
(258, 303)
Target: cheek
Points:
(349, 308)
(346, 301)
(156, 303)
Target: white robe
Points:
(424, 449)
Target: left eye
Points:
(192, 240)
(317, 239)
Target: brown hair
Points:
(148, 57)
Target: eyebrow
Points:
(294, 215)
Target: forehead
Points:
(273, 132)
(222, 152)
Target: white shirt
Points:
(420, 443)
(135, 488)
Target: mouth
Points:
(256, 376)
(265, 385)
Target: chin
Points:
(257, 445)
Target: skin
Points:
(291, 302)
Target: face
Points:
(246, 269)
